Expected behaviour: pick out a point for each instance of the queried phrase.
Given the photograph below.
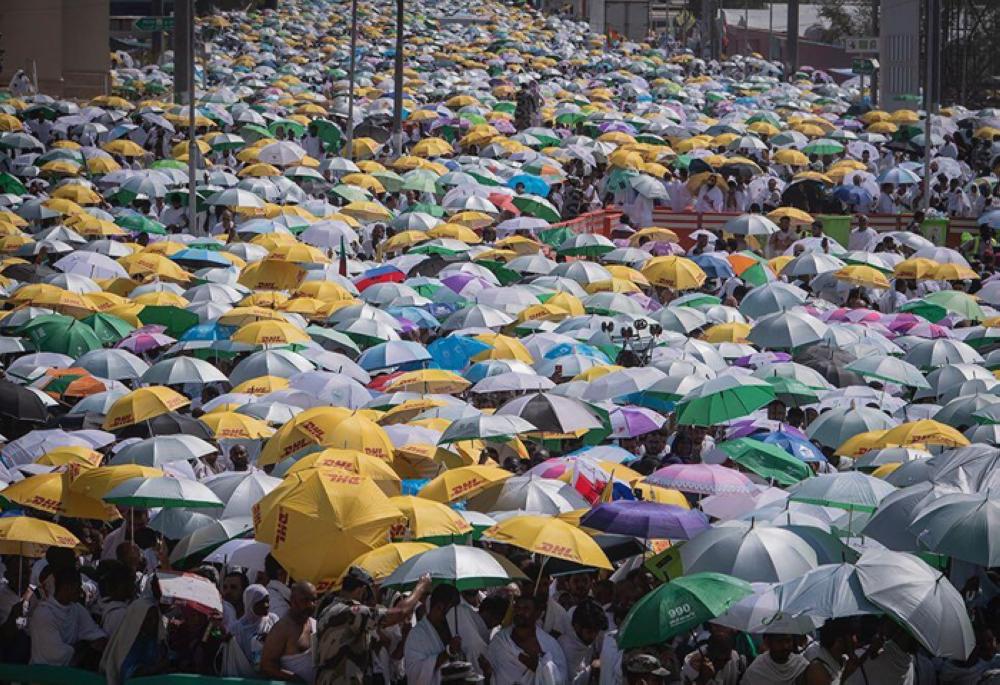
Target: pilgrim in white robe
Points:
(509, 670)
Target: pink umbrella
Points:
(924, 329)
(190, 590)
(897, 321)
(145, 339)
(631, 422)
(701, 479)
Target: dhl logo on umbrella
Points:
(281, 530)
(466, 486)
(345, 478)
(313, 429)
(561, 551)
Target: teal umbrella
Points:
(767, 461)
(177, 320)
(140, 224)
(680, 606)
(65, 336)
(533, 205)
(792, 392)
(823, 146)
(110, 329)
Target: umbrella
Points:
(963, 526)
(648, 520)
(912, 593)
(766, 554)
(382, 561)
(680, 606)
(161, 491)
(462, 483)
(701, 479)
(467, 568)
(196, 545)
(767, 461)
(551, 413)
(722, 399)
(828, 591)
(528, 493)
(551, 538)
(163, 449)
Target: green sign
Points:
(154, 24)
(866, 67)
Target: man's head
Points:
(256, 600)
(643, 668)
(358, 585)
(117, 581)
(578, 585)
(785, 223)
(779, 647)
(527, 609)
(589, 620)
(129, 554)
(233, 585)
(493, 609)
(838, 636)
(239, 458)
(302, 602)
(444, 598)
(17, 571)
(68, 585)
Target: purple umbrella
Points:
(145, 339)
(701, 479)
(647, 520)
(631, 422)
(460, 281)
(761, 358)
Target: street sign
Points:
(154, 24)
(861, 45)
(865, 67)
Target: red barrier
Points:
(601, 222)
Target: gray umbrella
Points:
(834, 427)
(831, 362)
(962, 526)
(919, 598)
(776, 296)
(829, 591)
(969, 410)
(766, 554)
(890, 524)
(787, 331)
(972, 468)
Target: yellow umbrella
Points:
(955, 272)
(382, 561)
(366, 181)
(299, 253)
(270, 333)
(864, 276)
(364, 148)
(429, 381)
(796, 215)
(347, 512)
(22, 535)
(462, 483)
(81, 195)
(272, 274)
(308, 430)
(790, 157)
(353, 461)
(259, 170)
(455, 231)
(653, 234)
(428, 519)
(408, 410)
(228, 425)
(917, 268)
(735, 332)
(885, 470)
(432, 147)
(403, 240)
(145, 264)
(472, 219)
(142, 405)
(550, 537)
(367, 211)
(661, 495)
(858, 444)
(326, 291)
(674, 272)
(71, 454)
(125, 148)
(357, 432)
(51, 493)
(503, 347)
(925, 431)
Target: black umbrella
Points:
(17, 402)
(552, 413)
(29, 273)
(807, 195)
(830, 362)
(171, 423)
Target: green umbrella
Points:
(792, 392)
(390, 180)
(532, 205)
(331, 339)
(67, 336)
(254, 131)
(556, 236)
(110, 329)
(927, 310)
(957, 302)
(328, 132)
(722, 399)
(169, 164)
(680, 606)
(10, 184)
(287, 124)
(427, 208)
(351, 193)
(141, 224)
(696, 300)
(177, 320)
(766, 460)
(421, 183)
(503, 274)
(823, 146)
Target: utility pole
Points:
(156, 42)
(350, 76)
(792, 38)
(930, 84)
(397, 95)
(191, 101)
(876, 6)
(183, 59)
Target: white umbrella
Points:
(761, 613)
(113, 364)
(182, 370)
(163, 449)
(828, 591)
(764, 554)
(750, 224)
(467, 568)
(240, 490)
(529, 493)
(485, 426)
(210, 537)
(923, 600)
(786, 330)
(164, 491)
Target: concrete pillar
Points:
(182, 49)
(792, 39)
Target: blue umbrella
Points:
(455, 351)
(212, 330)
(794, 445)
(614, 453)
(419, 316)
(393, 353)
(714, 267)
(648, 520)
(490, 367)
(532, 184)
(564, 349)
(898, 176)
(852, 195)
(202, 256)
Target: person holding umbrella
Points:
(431, 644)
(524, 654)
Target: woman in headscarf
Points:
(139, 645)
(254, 625)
